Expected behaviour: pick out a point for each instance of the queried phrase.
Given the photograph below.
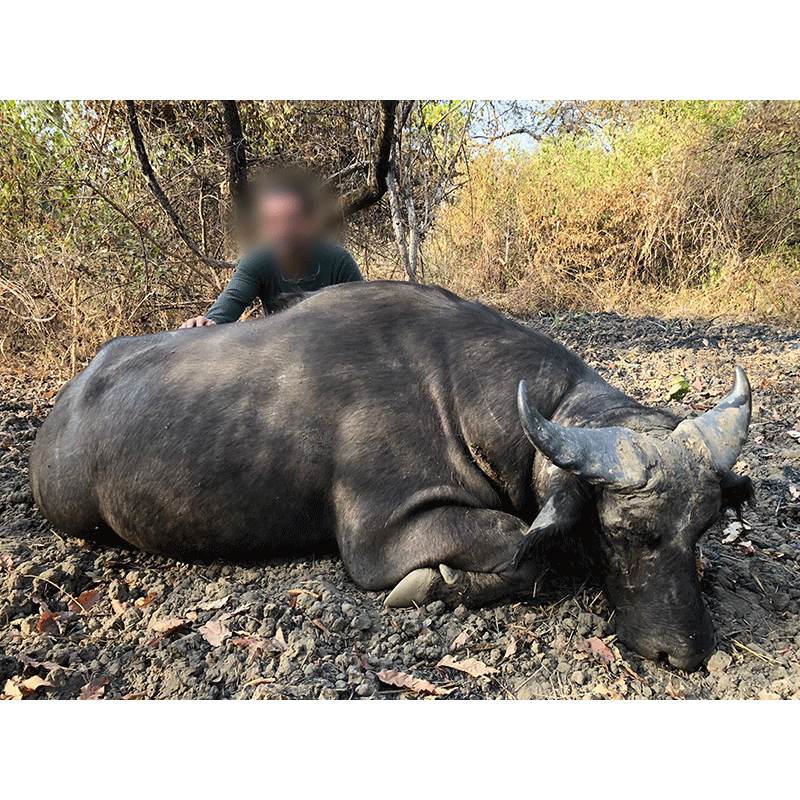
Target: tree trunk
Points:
(236, 146)
(374, 187)
(397, 225)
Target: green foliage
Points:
(655, 196)
(678, 387)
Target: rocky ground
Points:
(85, 621)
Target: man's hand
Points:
(197, 322)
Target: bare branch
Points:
(404, 114)
(143, 231)
(347, 171)
(505, 134)
(374, 187)
(155, 187)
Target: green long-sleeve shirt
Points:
(257, 275)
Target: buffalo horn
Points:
(609, 456)
(723, 429)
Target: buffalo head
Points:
(656, 495)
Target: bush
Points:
(672, 205)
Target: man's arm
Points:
(230, 305)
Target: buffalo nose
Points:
(686, 652)
(689, 662)
(691, 656)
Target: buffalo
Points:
(448, 452)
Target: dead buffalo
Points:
(384, 418)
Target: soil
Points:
(78, 619)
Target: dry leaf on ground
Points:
(48, 621)
(676, 694)
(598, 649)
(601, 689)
(84, 601)
(214, 605)
(119, 608)
(18, 689)
(295, 592)
(93, 690)
(405, 681)
(168, 626)
(143, 602)
(237, 610)
(614, 691)
(215, 632)
(471, 666)
(255, 645)
(459, 641)
(30, 662)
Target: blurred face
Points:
(284, 225)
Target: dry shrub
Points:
(86, 253)
(683, 208)
(671, 208)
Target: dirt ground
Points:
(81, 620)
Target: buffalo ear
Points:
(736, 491)
(554, 536)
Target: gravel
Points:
(301, 629)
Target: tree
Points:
(369, 192)
(374, 187)
(236, 146)
(430, 149)
(155, 187)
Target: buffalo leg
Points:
(453, 553)
(457, 586)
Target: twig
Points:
(36, 319)
(754, 653)
(760, 585)
(143, 232)
(56, 586)
(73, 350)
(343, 173)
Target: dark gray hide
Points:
(381, 418)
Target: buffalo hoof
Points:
(415, 589)
(451, 576)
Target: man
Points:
(294, 255)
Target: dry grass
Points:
(675, 209)
(688, 210)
